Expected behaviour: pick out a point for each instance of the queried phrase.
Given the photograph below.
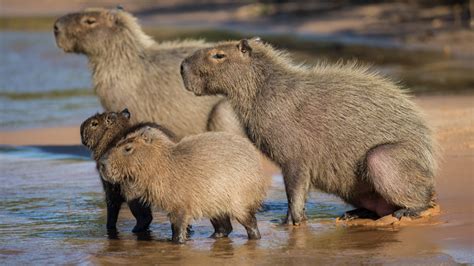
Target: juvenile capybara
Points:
(129, 69)
(98, 133)
(339, 128)
(215, 175)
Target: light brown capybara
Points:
(214, 175)
(130, 70)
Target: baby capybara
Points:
(214, 175)
(339, 128)
(98, 133)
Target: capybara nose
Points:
(101, 164)
(184, 67)
(56, 28)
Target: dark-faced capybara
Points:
(98, 133)
(129, 69)
(216, 175)
(339, 128)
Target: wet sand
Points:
(446, 238)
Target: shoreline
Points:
(443, 111)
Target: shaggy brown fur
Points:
(339, 128)
(214, 175)
(98, 133)
(131, 70)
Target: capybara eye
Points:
(128, 149)
(218, 56)
(90, 21)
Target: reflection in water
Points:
(52, 211)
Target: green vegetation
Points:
(55, 94)
(26, 23)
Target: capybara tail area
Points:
(401, 175)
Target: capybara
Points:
(98, 133)
(129, 69)
(216, 175)
(340, 128)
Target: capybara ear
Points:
(256, 39)
(147, 135)
(125, 113)
(110, 118)
(244, 47)
(111, 15)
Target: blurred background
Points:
(427, 45)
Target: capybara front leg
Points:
(222, 226)
(179, 226)
(250, 224)
(114, 200)
(142, 213)
(296, 186)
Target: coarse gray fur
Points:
(337, 127)
(215, 175)
(130, 70)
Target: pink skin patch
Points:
(377, 204)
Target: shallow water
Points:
(52, 211)
(40, 85)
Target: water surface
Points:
(52, 211)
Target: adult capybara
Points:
(98, 133)
(339, 128)
(131, 70)
(216, 175)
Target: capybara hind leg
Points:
(296, 186)
(222, 226)
(114, 200)
(401, 176)
(250, 224)
(142, 213)
(407, 212)
(359, 213)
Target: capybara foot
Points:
(250, 224)
(112, 233)
(406, 212)
(142, 225)
(222, 226)
(178, 239)
(253, 234)
(300, 219)
(219, 235)
(189, 231)
(359, 213)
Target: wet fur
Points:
(214, 175)
(130, 70)
(340, 128)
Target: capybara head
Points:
(95, 30)
(223, 68)
(128, 159)
(103, 127)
